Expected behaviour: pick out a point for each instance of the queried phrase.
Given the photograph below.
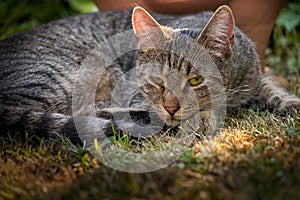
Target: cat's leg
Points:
(272, 95)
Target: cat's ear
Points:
(218, 34)
(147, 30)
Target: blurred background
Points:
(283, 52)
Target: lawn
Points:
(255, 155)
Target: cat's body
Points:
(38, 70)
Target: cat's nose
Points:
(171, 103)
(171, 110)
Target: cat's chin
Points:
(172, 122)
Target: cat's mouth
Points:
(174, 120)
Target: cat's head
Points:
(177, 88)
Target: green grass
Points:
(255, 156)
(141, 154)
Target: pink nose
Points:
(171, 110)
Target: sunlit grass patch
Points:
(255, 156)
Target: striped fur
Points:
(38, 70)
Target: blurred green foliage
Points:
(283, 53)
(17, 16)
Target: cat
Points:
(40, 69)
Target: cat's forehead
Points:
(182, 66)
(182, 53)
(191, 33)
(170, 68)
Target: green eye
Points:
(196, 80)
(157, 80)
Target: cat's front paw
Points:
(290, 105)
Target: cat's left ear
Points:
(218, 34)
(147, 30)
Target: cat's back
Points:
(38, 67)
(72, 36)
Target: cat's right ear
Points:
(147, 30)
(218, 34)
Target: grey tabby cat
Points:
(39, 69)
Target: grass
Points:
(255, 156)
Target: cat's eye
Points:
(157, 80)
(196, 80)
